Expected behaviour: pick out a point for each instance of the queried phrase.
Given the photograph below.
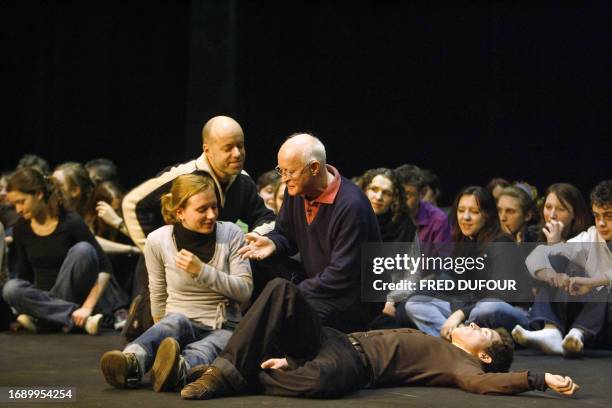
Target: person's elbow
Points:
(244, 290)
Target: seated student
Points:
(516, 209)
(564, 214)
(475, 227)
(388, 201)
(75, 184)
(5, 313)
(101, 215)
(196, 281)
(431, 222)
(8, 215)
(266, 186)
(495, 186)
(431, 191)
(101, 170)
(63, 274)
(8, 218)
(320, 362)
(33, 161)
(386, 196)
(574, 306)
(279, 196)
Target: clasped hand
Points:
(188, 262)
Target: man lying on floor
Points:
(322, 362)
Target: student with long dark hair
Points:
(475, 228)
(387, 197)
(63, 274)
(76, 185)
(564, 214)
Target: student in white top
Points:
(573, 305)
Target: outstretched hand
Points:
(563, 385)
(257, 247)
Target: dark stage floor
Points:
(72, 360)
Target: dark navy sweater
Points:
(330, 247)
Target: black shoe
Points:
(169, 370)
(211, 384)
(121, 370)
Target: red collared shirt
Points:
(326, 197)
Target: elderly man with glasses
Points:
(326, 218)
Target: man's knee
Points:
(12, 290)
(279, 284)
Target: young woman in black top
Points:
(63, 274)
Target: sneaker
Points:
(211, 384)
(92, 325)
(169, 372)
(121, 316)
(27, 322)
(121, 370)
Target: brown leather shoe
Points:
(211, 384)
(196, 372)
(121, 370)
(169, 370)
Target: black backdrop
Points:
(470, 90)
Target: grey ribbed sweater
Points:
(215, 294)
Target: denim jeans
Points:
(199, 345)
(76, 277)
(555, 306)
(428, 313)
(494, 313)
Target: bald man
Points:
(326, 218)
(223, 159)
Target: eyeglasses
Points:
(290, 174)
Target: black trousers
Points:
(281, 323)
(344, 312)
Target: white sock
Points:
(548, 339)
(573, 342)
